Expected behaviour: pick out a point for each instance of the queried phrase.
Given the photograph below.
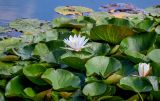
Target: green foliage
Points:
(38, 66)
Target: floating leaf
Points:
(120, 22)
(61, 79)
(8, 69)
(110, 33)
(154, 55)
(110, 98)
(98, 48)
(2, 98)
(42, 50)
(154, 82)
(29, 92)
(15, 87)
(136, 84)
(157, 29)
(136, 57)
(29, 26)
(72, 10)
(138, 42)
(102, 65)
(33, 73)
(94, 89)
(76, 60)
(67, 23)
(153, 11)
(9, 43)
(147, 24)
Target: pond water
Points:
(44, 9)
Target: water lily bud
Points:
(75, 42)
(144, 69)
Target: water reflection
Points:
(43, 9)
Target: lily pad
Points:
(147, 25)
(42, 50)
(8, 69)
(75, 59)
(33, 73)
(157, 29)
(136, 84)
(29, 26)
(111, 33)
(15, 87)
(94, 89)
(154, 55)
(136, 57)
(9, 43)
(140, 42)
(153, 11)
(72, 10)
(61, 79)
(97, 48)
(103, 66)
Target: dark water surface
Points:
(43, 9)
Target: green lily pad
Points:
(25, 52)
(147, 25)
(8, 69)
(94, 89)
(120, 22)
(102, 65)
(155, 68)
(29, 26)
(153, 11)
(61, 79)
(42, 50)
(98, 48)
(138, 42)
(76, 60)
(15, 87)
(110, 98)
(136, 84)
(29, 92)
(9, 43)
(33, 73)
(154, 55)
(72, 10)
(136, 57)
(63, 22)
(2, 98)
(157, 29)
(110, 33)
(154, 82)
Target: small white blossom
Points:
(75, 42)
(144, 69)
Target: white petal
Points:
(143, 69)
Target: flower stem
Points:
(140, 96)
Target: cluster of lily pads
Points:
(97, 57)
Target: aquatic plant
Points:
(105, 56)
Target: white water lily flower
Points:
(144, 69)
(75, 42)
